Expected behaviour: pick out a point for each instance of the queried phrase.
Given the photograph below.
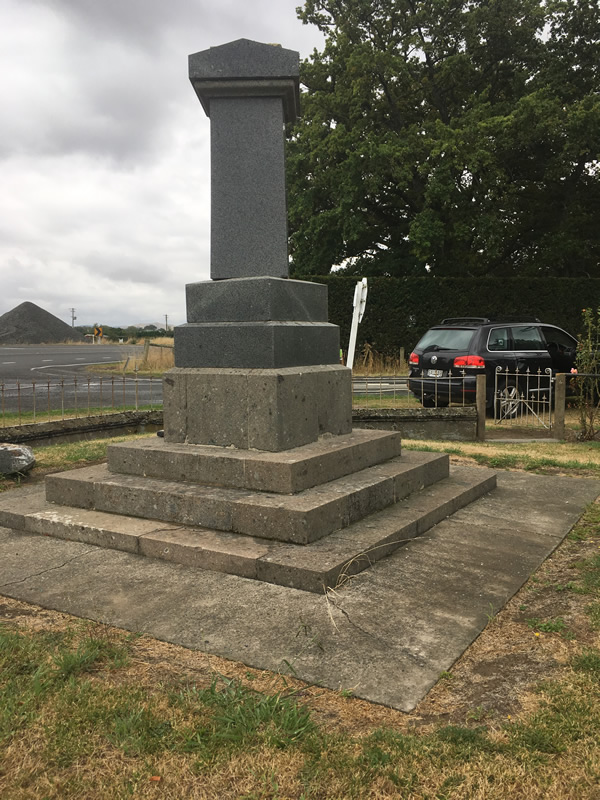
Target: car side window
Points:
(527, 337)
(498, 339)
(555, 338)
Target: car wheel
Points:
(508, 399)
(429, 401)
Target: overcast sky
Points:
(104, 149)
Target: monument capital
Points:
(244, 68)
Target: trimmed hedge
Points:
(400, 310)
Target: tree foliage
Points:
(448, 137)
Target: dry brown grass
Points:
(370, 362)
(494, 684)
(158, 358)
(533, 719)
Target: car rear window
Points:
(447, 339)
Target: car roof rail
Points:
(465, 321)
(525, 318)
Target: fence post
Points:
(560, 395)
(480, 401)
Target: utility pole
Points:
(166, 323)
(73, 317)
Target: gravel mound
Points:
(30, 324)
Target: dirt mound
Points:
(30, 324)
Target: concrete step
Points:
(314, 567)
(300, 518)
(286, 472)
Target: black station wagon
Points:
(446, 361)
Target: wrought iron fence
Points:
(24, 402)
(524, 397)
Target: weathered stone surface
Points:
(313, 567)
(256, 345)
(453, 424)
(284, 472)
(15, 458)
(301, 518)
(243, 58)
(256, 300)
(245, 66)
(269, 410)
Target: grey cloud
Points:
(141, 23)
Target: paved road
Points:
(39, 362)
(60, 377)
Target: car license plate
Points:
(435, 373)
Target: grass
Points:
(546, 456)
(87, 711)
(158, 358)
(14, 419)
(77, 721)
(399, 400)
(60, 457)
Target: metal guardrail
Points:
(24, 402)
(404, 392)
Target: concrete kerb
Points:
(388, 633)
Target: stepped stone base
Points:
(314, 567)
(301, 518)
(286, 472)
(305, 517)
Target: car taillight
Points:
(413, 358)
(469, 361)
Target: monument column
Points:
(257, 364)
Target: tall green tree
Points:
(448, 137)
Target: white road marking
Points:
(87, 364)
(9, 362)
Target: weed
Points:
(466, 741)
(587, 383)
(242, 715)
(490, 613)
(476, 714)
(139, 731)
(556, 625)
(588, 661)
(593, 611)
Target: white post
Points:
(359, 303)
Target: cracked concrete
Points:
(387, 634)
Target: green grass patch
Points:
(15, 419)
(589, 525)
(556, 625)
(531, 457)
(67, 719)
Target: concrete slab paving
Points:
(387, 634)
